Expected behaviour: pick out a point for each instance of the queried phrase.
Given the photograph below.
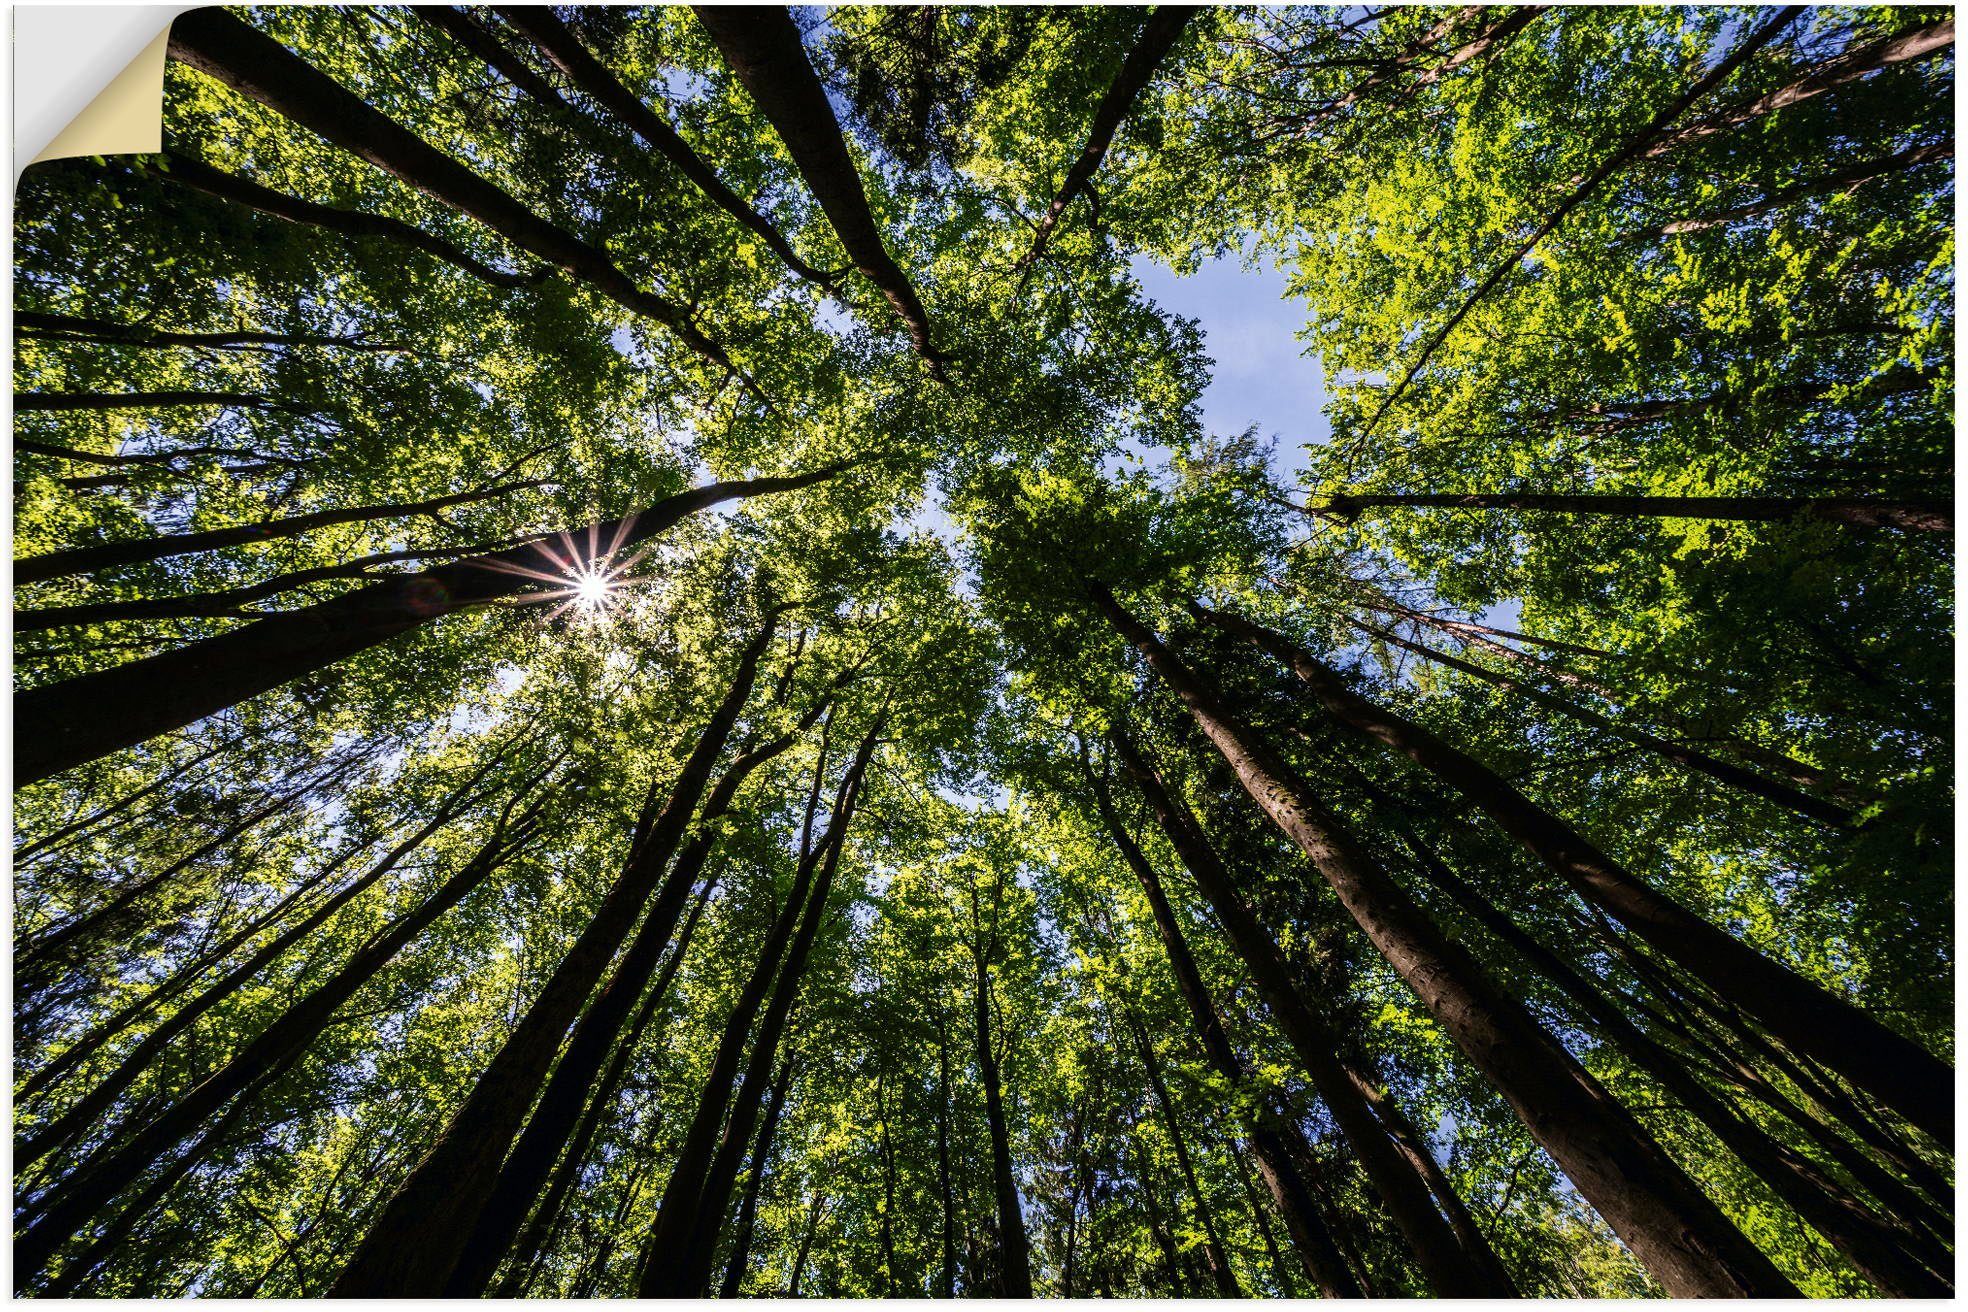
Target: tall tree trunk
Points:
(741, 1232)
(1317, 1251)
(1157, 37)
(129, 1150)
(89, 560)
(763, 47)
(1449, 1270)
(1689, 758)
(419, 1235)
(945, 1092)
(260, 68)
(531, 1245)
(1677, 1233)
(1842, 180)
(693, 1208)
(77, 328)
(61, 725)
(24, 401)
(573, 59)
(1915, 514)
(683, 1243)
(1893, 1069)
(1280, 1273)
(806, 1244)
(189, 171)
(1014, 1248)
(1214, 1253)
(1884, 1256)
(552, 1123)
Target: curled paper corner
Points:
(89, 80)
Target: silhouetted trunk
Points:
(806, 1244)
(1157, 1228)
(1317, 1251)
(419, 1235)
(75, 328)
(573, 59)
(260, 68)
(552, 1123)
(1677, 1233)
(1912, 157)
(1157, 37)
(1893, 1069)
(88, 560)
(1449, 1270)
(63, 724)
(461, 26)
(532, 1242)
(1279, 1271)
(1213, 1251)
(128, 1150)
(763, 47)
(1014, 1248)
(1896, 1263)
(683, 1241)
(945, 1092)
(741, 1232)
(24, 401)
(196, 174)
(1916, 514)
(1847, 66)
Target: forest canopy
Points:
(638, 672)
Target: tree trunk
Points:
(573, 59)
(1675, 1231)
(1224, 1278)
(260, 68)
(1893, 1069)
(124, 1156)
(89, 560)
(420, 1234)
(1317, 1251)
(945, 1092)
(683, 1242)
(1157, 37)
(1450, 1271)
(1014, 1248)
(1883, 1256)
(683, 1238)
(74, 328)
(741, 1234)
(763, 47)
(61, 725)
(1914, 514)
(806, 1244)
(196, 174)
(1279, 1271)
(1845, 179)
(552, 1123)
(24, 401)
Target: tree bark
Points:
(24, 401)
(559, 44)
(1893, 1069)
(89, 560)
(1914, 514)
(1884, 1256)
(1318, 1252)
(1450, 1271)
(741, 1233)
(129, 1150)
(419, 1236)
(1014, 1248)
(763, 47)
(1675, 1231)
(260, 68)
(945, 1092)
(199, 176)
(552, 1123)
(1221, 1274)
(61, 725)
(1158, 36)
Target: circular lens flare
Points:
(593, 590)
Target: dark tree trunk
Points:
(420, 1234)
(1910, 158)
(89, 560)
(806, 1244)
(199, 176)
(1279, 1271)
(1158, 36)
(1883, 1256)
(63, 724)
(1449, 1270)
(461, 26)
(573, 59)
(146, 400)
(683, 1243)
(1318, 1252)
(74, 328)
(1677, 1233)
(128, 1151)
(945, 1092)
(763, 47)
(742, 1228)
(600, 1028)
(1915, 514)
(1014, 1248)
(1214, 1253)
(1891, 1068)
(260, 68)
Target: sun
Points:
(593, 590)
